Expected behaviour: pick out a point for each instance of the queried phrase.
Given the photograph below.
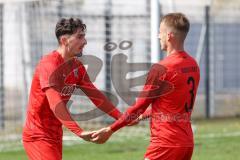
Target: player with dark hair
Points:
(171, 132)
(54, 80)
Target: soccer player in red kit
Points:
(54, 80)
(178, 74)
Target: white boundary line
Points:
(14, 137)
(219, 135)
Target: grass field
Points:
(214, 140)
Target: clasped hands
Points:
(102, 135)
(98, 137)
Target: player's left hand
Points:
(87, 135)
(102, 135)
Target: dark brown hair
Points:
(68, 26)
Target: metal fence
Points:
(27, 33)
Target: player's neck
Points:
(63, 53)
(174, 48)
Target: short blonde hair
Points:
(178, 22)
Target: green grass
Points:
(214, 140)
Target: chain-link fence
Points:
(222, 33)
(28, 29)
(27, 33)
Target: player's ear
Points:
(170, 35)
(64, 40)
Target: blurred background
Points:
(27, 32)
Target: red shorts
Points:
(43, 150)
(168, 153)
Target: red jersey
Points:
(177, 79)
(42, 119)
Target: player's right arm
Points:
(133, 112)
(151, 90)
(58, 106)
(155, 86)
(45, 70)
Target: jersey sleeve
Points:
(59, 108)
(97, 97)
(45, 71)
(150, 91)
